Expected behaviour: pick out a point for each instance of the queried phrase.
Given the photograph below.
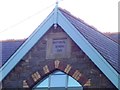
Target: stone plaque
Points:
(59, 46)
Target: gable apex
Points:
(74, 34)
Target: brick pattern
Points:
(34, 67)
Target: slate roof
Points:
(8, 49)
(104, 45)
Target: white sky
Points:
(19, 18)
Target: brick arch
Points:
(47, 69)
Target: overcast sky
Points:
(19, 18)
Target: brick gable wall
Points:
(34, 67)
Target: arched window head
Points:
(58, 81)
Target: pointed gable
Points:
(96, 46)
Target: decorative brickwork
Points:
(34, 66)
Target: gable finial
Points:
(55, 14)
(56, 2)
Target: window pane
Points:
(59, 72)
(43, 83)
(58, 80)
(72, 82)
